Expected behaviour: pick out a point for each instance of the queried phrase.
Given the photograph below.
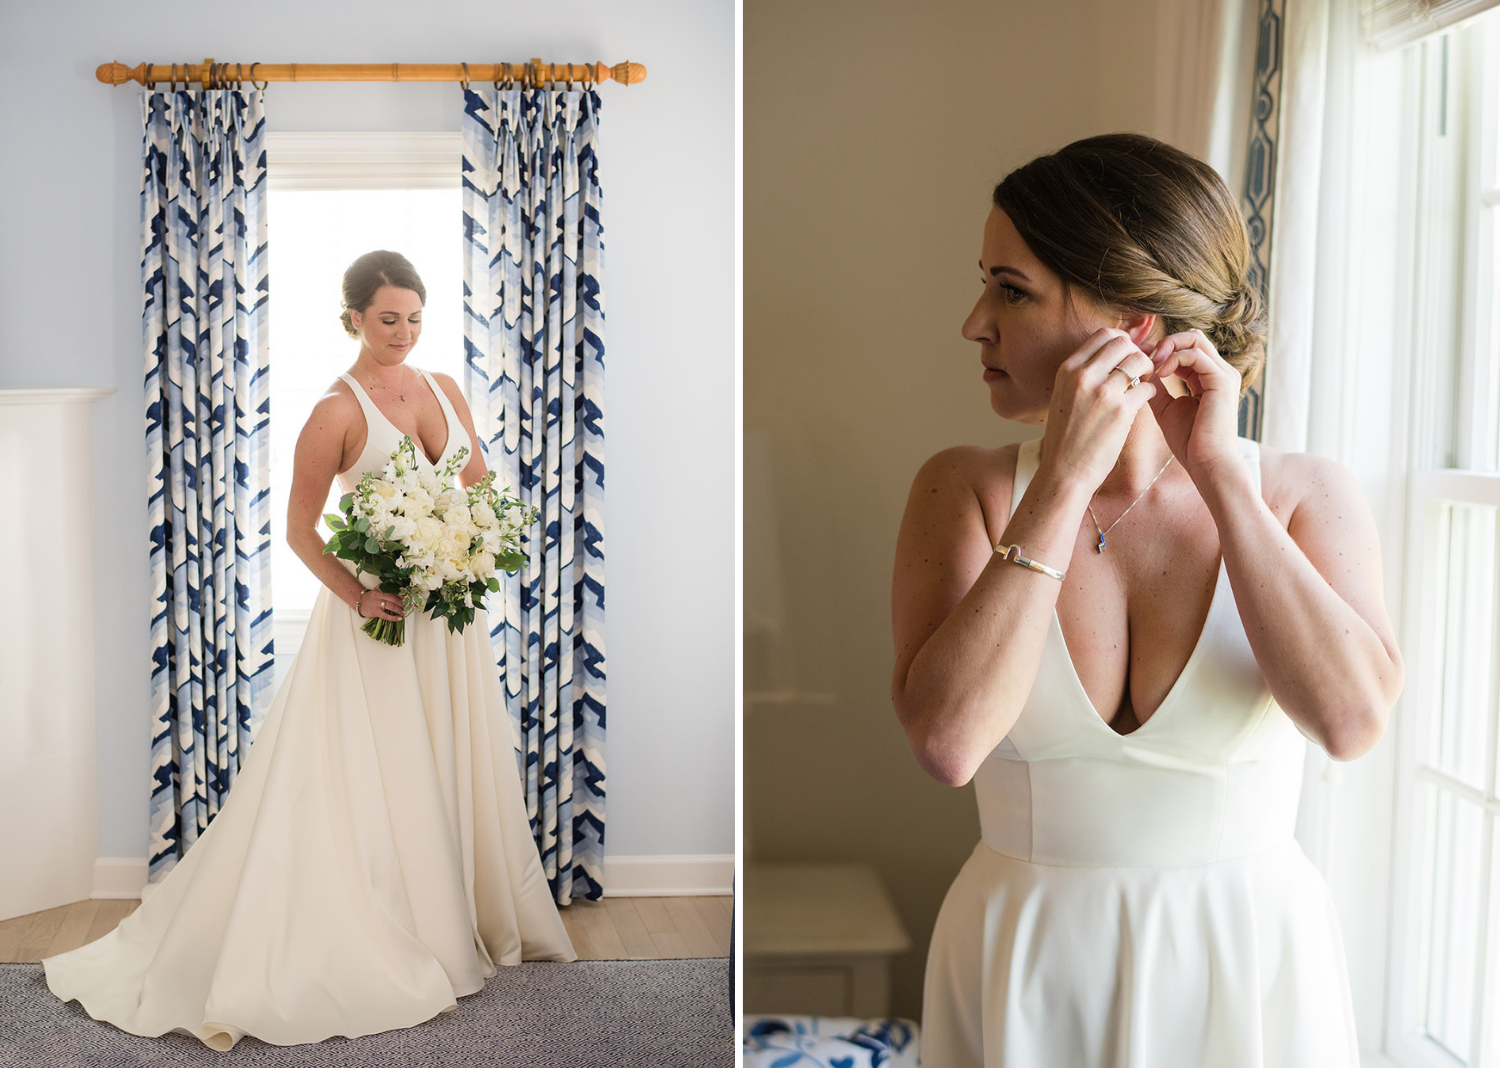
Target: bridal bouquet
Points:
(432, 543)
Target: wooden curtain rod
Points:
(211, 75)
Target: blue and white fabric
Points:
(203, 263)
(534, 375)
(829, 1042)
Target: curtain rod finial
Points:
(627, 73)
(119, 74)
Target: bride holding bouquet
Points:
(374, 861)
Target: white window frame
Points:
(348, 161)
(1448, 230)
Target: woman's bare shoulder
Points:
(1298, 480)
(975, 467)
(964, 484)
(336, 412)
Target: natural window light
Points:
(314, 234)
(1445, 979)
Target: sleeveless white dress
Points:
(1138, 900)
(373, 861)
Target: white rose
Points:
(402, 527)
(482, 514)
(418, 502)
(428, 531)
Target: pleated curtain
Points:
(534, 375)
(203, 264)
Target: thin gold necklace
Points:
(1100, 547)
(391, 391)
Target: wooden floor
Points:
(617, 928)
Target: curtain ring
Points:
(259, 85)
(239, 76)
(465, 78)
(148, 79)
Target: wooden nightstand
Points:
(819, 939)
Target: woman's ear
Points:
(1141, 326)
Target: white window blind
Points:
(1392, 23)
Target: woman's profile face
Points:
(389, 327)
(1026, 323)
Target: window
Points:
(332, 198)
(1444, 990)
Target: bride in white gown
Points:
(373, 862)
(1117, 633)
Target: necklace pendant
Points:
(1100, 547)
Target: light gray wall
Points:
(874, 133)
(70, 306)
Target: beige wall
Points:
(874, 131)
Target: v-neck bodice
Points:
(382, 436)
(1214, 772)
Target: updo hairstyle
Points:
(1143, 226)
(368, 273)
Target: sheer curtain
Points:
(534, 340)
(204, 270)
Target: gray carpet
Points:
(655, 1014)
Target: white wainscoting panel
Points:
(49, 809)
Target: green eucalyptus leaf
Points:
(334, 522)
(362, 526)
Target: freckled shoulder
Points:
(972, 474)
(336, 423)
(1292, 480)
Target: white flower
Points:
(483, 514)
(402, 527)
(458, 514)
(428, 532)
(417, 503)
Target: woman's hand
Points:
(1203, 427)
(377, 604)
(1094, 406)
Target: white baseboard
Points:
(705, 875)
(668, 876)
(119, 877)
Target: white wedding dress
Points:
(1138, 900)
(373, 862)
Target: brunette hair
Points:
(371, 271)
(1141, 225)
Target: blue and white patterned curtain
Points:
(203, 262)
(534, 335)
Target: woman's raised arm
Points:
(1309, 593)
